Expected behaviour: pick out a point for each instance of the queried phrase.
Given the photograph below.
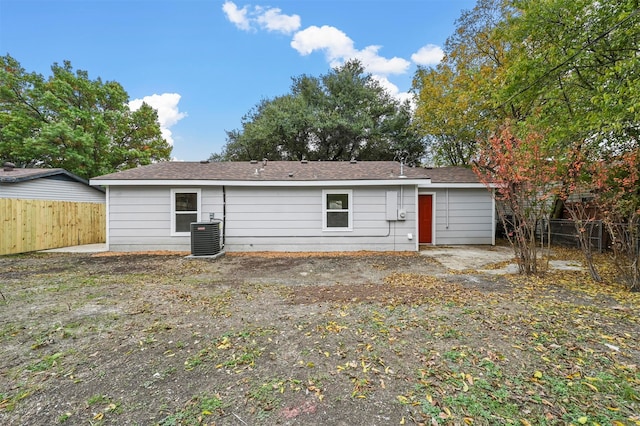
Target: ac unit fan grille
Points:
(205, 238)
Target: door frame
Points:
(433, 218)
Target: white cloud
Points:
(393, 90)
(338, 48)
(168, 112)
(273, 20)
(335, 44)
(428, 55)
(377, 64)
(236, 16)
(270, 19)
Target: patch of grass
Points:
(452, 333)
(63, 417)
(233, 350)
(46, 363)
(8, 331)
(8, 401)
(97, 399)
(265, 396)
(199, 410)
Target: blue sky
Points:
(204, 64)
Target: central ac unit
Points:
(205, 238)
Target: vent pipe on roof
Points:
(8, 167)
(402, 170)
(264, 162)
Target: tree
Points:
(583, 211)
(616, 183)
(73, 122)
(455, 100)
(569, 70)
(575, 66)
(524, 181)
(339, 116)
(447, 114)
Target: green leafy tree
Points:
(73, 122)
(339, 116)
(575, 66)
(455, 105)
(569, 70)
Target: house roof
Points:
(282, 171)
(452, 174)
(17, 175)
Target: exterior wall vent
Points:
(205, 238)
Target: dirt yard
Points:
(358, 339)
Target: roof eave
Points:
(280, 183)
(460, 185)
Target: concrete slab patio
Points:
(86, 248)
(460, 258)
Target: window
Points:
(337, 213)
(185, 208)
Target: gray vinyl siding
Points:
(261, 219)
(139, 218)
(464, 217)
(290, 219)
(51, 189)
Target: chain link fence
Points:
(562, 232)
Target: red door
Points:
(425, 218)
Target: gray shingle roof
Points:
(289, 171)
(452, 175)
(23, 174)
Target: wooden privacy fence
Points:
(30, 225)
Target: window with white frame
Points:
(337, 213)
(185, 208)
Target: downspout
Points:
(493, 217)
(224, 215)
(107, 217)
(447, 207)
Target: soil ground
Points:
(309, 339)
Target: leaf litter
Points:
(370, 338)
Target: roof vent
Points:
(303, 161)
(290, 174)
(353, 161)
(8, 167)
(204, 161)
(264, 162)
(253, 162)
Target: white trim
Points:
(256, 183)
(453, 185)
(175, 191)
(325, 210)
(433, 217)
(108, 216)
(415, 232)
(493, 218)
